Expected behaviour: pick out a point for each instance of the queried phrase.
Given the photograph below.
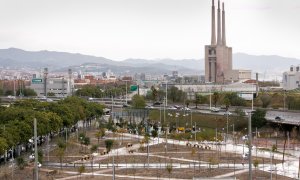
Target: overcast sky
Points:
(152, 29)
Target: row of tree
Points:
(176, 95)
(23, 92)
(16, 122)
(101, 91)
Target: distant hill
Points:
(47, 58)
(56, 61)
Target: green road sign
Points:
(37, 81)
(133, 87)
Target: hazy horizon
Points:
(148, 29)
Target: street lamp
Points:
(36, 175)
(250, 145)
(177, 124)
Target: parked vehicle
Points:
(214, 109)
(279, 118)
(227, 113)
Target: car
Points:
(172, 108)
(247, 112)
(176, 106)
(185, 109)
(157, 103)
(245, 138)
(31, 157)
(279, 118)
(126, 105)
(214, 109)
(227, 113)
(245, 155)
(149, 107)
(39, 164)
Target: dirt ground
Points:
(75, 151)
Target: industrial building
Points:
(218, 56)
(291, 78)
(59, 86)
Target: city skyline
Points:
(148, 29)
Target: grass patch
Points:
(210, 121)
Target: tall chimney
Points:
(219, 40)
(213, 24)
(223, 25)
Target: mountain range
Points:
(60, 61)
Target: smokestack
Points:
(213, 24)
(223, 25)
(219, 40)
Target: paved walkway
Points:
(289, 168)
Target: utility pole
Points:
(165, 112)
(126, 93)
(36, 175)
(48, 148)
(192, 120)
(166, 93)
(195, 132)
(226, 128)
(113, 168)
(45, 81)
(250, 147)
(209, 98)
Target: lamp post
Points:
(209, 98)
(226, 128)
(250, 146)
(36, 175)
(177, 124)
(166, 93)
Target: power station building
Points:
(218, 56)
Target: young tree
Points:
(154, 133)
(226, 102)
(266, 100)
(197, 99)
(94, 148)
(108, 144)
(81, 170)
(138, 101)
(255, 164)
(60, 153)
(40, 156)
(20, 162)
(98, 135)
(215, 98)
(258, 118)
(169, 168)
(154, 93)
(3, 145)
(86, 142)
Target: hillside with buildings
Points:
(267, 66)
